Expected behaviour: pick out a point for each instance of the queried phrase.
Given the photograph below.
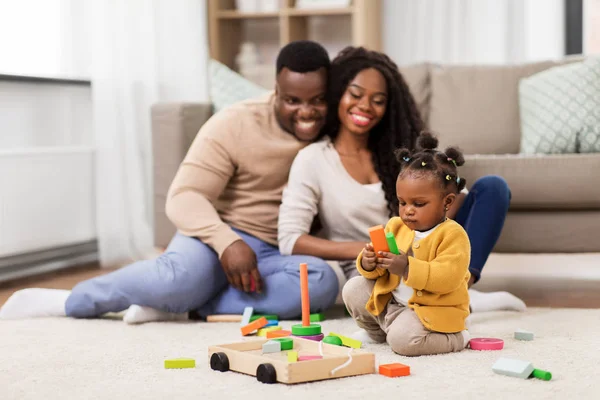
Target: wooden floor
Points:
(66, 279)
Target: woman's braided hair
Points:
(400, 125)
(427, 160)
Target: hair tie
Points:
(452, 161)
(457, 180)
(423, 163)
(407, 159)
(448, 178)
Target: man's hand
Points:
(368, 261)
(239, 263)
(394, 263)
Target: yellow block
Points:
(292, 356)
(263, 331)
(349, 342)
(180, 363)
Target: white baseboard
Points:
(34, 263)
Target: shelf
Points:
(295, 12)
(233, 14)
(292, 12)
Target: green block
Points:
(392, 243)
(334, 340)
(272, 317)
(178, 363)
(317, 317)
(540, 374)
(286, 343)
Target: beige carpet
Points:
(106, 359)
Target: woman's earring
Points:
(446, 208)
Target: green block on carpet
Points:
(318, 317)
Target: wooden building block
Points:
(391, 241)
(521, 334)
(252, 326)
(292, 356)
(269, 317)
(177, 363)
(246, 316)
(512, 367)
(348, 342)
(224, 318)
(377, 234)
(309, 357)
(394, 370)
(318, 317)
(278, 334)
(271, 347)
(263, 331)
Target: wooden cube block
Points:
(512, 367)
(252, 326)
(271, 347)
(177, 363)
(263, 331)
(309, 358)
(246, 316)
(348, 342)
(278, 334)
(394, 370)
(318, 317)
(292, 356)
(521, 334)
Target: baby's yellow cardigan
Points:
(438, 273)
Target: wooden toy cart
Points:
(247, 358)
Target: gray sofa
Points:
(555, 198)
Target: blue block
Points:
(271, 322)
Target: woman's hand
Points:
(369, 259)
(395, 263)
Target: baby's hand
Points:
(394, 263)
(369, 260)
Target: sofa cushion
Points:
(560, 109)
(561, 181)
(477, 107)
(417, 79)
(227, 87)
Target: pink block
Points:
(486, 344)
(308, 358)
(316, 338)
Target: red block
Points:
(394, 370)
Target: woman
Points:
(348, 179)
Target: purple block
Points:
(316, 338)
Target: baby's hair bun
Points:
(427, 141)
(455, 154)
(402, 155)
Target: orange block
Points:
(254, 325)
(394, 370)
(377, 234)
(279, 333)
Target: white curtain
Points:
(473, 31)
(140, 52)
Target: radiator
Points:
(47, 210)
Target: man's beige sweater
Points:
(233, 176)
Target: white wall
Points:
(44, 114)
(467, 31)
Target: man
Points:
(224, 202)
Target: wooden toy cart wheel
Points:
(219, 362)
(266, 373)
